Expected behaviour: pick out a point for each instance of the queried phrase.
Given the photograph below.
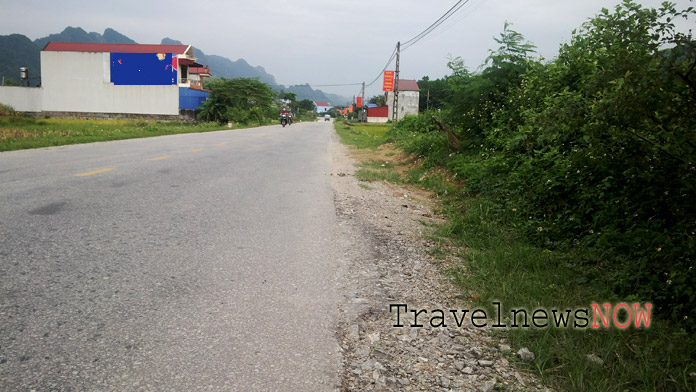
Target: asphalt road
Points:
(190, 263)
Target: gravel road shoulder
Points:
(386, 261)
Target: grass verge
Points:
(498, 265)
(362, 135)
(20, 132)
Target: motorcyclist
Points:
(284, 117)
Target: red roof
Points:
(322, 104)
(199, 70)
(113, 48)
(408, 85)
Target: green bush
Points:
(595, 150)
(7, 111)
(240, 100)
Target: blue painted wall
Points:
(190, 98)
(144, 69)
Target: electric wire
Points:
(407, 44)
(432, 26)
(391, 58)
(455, 8)
(471, 8)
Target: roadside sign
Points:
(388, 84)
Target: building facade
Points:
(409, 95)
(322, 107)
(378, 114)
(107, 79)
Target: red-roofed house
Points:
(322, 107)
(108, 79)
(409, 95)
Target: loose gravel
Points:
(386, 261)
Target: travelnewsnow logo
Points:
(620, 316)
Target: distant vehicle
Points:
(327, 117)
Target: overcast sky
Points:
(317, 41)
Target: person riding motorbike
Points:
(284, 118)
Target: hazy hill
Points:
(17, 51)
(76, 34)
(223, 67)
(305, 91)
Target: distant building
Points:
(409, 94)
(196, 76)
(322, 107)
(378, 114)
(114, 79)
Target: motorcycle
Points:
(283, 120)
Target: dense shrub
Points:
(595, 149)
(239, 100)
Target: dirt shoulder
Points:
(386, 263)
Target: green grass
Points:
(19, 132)
(362, 135)
(498, 264)
(378, 175)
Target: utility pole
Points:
(395, 109)
(363, 115)
(427, 102)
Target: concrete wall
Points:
(22, 99)
(81, 82)
(378, 114)
(408, 103)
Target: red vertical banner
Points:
(388, 84)
(359, 104)
(350, 109)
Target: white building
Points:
(409, 95)
(108, 79)
(322, 107)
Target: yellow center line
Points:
(159, 158)
(197, 149)
(94, 172)
(220, 145)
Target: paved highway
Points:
(189, 262)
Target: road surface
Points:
(187, 262)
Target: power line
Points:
(455, 8)
(336, 85)
(432, 26)
(391, 58)
(452, 11)
(471, 8)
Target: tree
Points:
(433, 93)
(513, 48)
(291, 97)
(306, 105)
(475, 98)
(239, 100)
(379, 100)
